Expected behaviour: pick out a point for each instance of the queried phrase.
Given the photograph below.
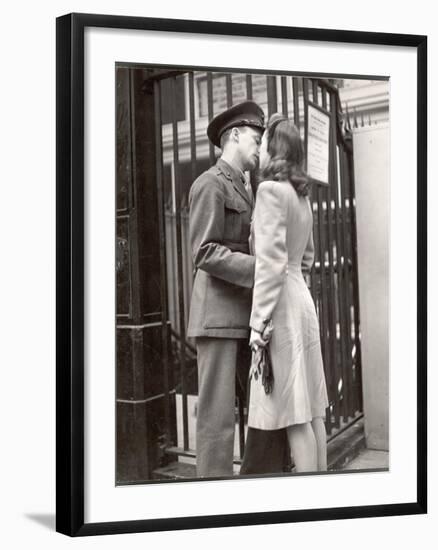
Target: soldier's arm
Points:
(207, 219)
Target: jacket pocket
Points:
(234, 214)
(235, 205)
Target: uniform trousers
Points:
(222, 363)
(215, 421)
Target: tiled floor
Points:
(369, 459)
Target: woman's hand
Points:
(256, 340)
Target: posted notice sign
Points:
(318, 127)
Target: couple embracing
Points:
(250, 259)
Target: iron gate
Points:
(163, 148)
(185, 153)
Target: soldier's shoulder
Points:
(209, 177)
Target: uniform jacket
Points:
(220, 219)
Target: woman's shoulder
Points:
(275, 188)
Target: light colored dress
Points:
(283, 244)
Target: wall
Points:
(371, 167)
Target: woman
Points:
(283, 244)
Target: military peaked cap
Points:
(247, 113)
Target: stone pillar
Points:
(372, 181)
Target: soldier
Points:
(221, 205)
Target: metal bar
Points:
(347, 282)
(271, 85)
(348, 121)
(187, 263)
(296, 102)
(248, 86)
(345, 267)
(284, 104)
(192, 125)
(325, 300)
(353, 311)
(188, 257)
(355, 355)
(327, 85)
(319, 93)
(314, 90)
(210, 113)
(180, 264)
(339, 251)
(172, 278)
(324, 99)
(332, 312)
(329, 304)
(355, 285)
(229, 89)
(305, 102)
(163, 269)
(331, 293)
(320, 276)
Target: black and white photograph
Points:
(218, 285)
(252, 260)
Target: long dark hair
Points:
(286, 151)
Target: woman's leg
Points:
(318, 427)
(303, 446)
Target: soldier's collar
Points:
(228, 171)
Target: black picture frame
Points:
(70, 272)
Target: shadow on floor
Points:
(46, 520)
